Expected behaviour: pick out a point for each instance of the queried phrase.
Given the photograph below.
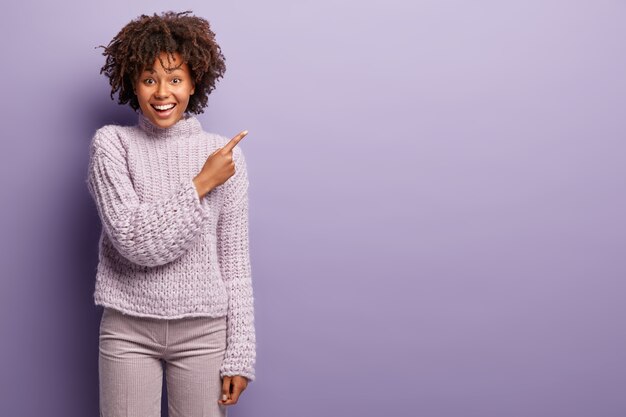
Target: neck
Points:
(187, 125)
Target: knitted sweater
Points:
(164, 252)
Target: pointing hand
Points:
(219, 166)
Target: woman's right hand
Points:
(218, 168)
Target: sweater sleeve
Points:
(234, 259)
(146, 233)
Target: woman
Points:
(174, 273)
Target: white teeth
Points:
(164, 107)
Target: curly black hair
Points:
(142, 40)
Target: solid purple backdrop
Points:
(436, 193)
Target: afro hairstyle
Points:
(141, 42)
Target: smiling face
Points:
(163, 94)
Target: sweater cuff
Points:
(232, 372)
(201, 203)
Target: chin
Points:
(170, 121)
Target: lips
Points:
(164, 110)
(163, 107)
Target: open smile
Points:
(164, 110)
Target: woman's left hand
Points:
(232, 387)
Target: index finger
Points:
(234, 141)
(234, 396)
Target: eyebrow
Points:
(151, 70)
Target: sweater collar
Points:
(188, 125)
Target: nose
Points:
(162, 91)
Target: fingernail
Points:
(224, 397)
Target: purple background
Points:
(437, 203)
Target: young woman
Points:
(174, 273)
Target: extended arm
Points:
(234, 258)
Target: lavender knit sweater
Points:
(164, 252)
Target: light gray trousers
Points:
(131, 372)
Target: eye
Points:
(177, 80)
(148, 81)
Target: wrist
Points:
(203, 185)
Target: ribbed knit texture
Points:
(164, 252)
